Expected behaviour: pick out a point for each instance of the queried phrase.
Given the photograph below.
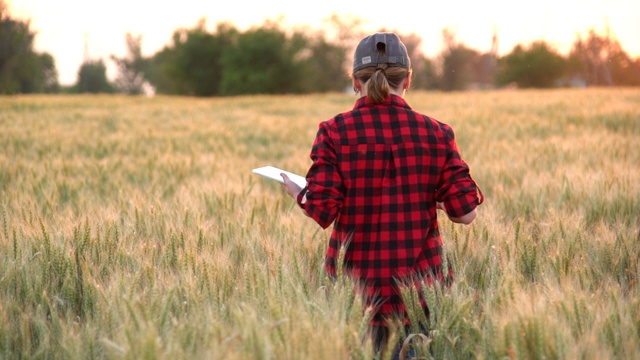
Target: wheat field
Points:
(133, 228)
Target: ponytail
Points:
(378, 81)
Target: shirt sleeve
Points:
(457, 190)
(325, 189)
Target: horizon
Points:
(72, 36)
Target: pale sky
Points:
(63, 26)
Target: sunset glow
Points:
(69, 29)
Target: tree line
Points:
(270, 60)
(22, 70)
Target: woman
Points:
(379, 173)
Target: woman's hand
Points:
(465, 219)
(290, 187)
(293, 190)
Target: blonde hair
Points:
(378, 81)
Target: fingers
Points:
(286, 184)
(286, 181)
(289, 186)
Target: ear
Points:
(356, 84)
(407, 82)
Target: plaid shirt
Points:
(377, 174)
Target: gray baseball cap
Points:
(367, 51)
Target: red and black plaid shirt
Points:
(378, 172)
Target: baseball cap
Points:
(367, 51)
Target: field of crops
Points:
(133, 228)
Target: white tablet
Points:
(273, 173)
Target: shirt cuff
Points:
(302, 197)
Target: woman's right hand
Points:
(290, 187)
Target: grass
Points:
(132, 228)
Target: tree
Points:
(319, 63)
(131, 68)
(347, 32)
(458, 64)
(624, 71)
(22, 70)
(260, 62)
(537, 66)
(423, 76)
(192, 64)
(601, 61)
(92, 78)
(44, 76)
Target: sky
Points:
(69, 29)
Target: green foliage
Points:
(261, 61)
(536, 66)
(258, 61)
(319, 63)
(267, 59)
(192, 64)
(132, 67)
(92, 78)
(22, 70)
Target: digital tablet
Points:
(273, 173)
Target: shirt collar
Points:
(391, 100)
